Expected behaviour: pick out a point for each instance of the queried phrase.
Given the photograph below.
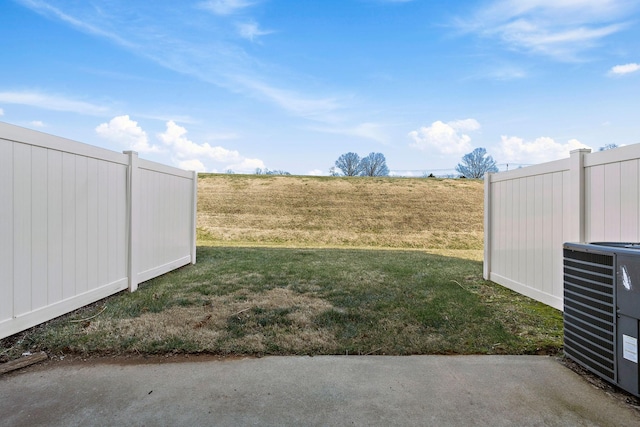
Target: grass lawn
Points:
(259, 301)
(317, 265)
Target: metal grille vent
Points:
(589, 311)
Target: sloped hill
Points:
(340, 212)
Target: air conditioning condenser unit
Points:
(602, 310)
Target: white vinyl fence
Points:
(79, 223)
(531, 212)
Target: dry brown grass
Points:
(340, 212)
(211, 328)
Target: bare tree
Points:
(476, 164)
(349, 164)
(374, 165)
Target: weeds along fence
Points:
(79, 223)
(531, 212)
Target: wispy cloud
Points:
(45, 8)
(53, 102)
(562, 29)
(225, 7)
(289, 100)
(372, 131)
(251, 30)
(393, 1)
(202, 52)
(620, 70)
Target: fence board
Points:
(612, 202)
(68, 225)
(559, 209)
(93, 224)
(54, 227)
(595, 191)
(6, 230)
(629, 200)
(103, 227)
(81, 245)
(22, 228)
(39, 229)
(521, 277)
(548, 238)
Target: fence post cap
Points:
(580, 150)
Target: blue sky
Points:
(213, 85)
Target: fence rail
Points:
(531, 212)
(79, 223)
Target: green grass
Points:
(258, 301)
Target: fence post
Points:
(486, 266)
(133, 216)
(194, 222)
(577, 231)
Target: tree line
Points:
(473, 165)
(351, 164)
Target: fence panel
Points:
(166, 222)
(525, 231)
(612, 195)
(531, 212)
(65, 225)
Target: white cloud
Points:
(465, 125)
(184, 148)
(445, 138)
(37, 123)
(246, 166)
(1, 112)
(558, 28)
(251, 30)
(192, 165)
(317, 172)
(544, 149)
(52, 102)
(126, 132)
(191, 154)
(225, 7)
(620, 70)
